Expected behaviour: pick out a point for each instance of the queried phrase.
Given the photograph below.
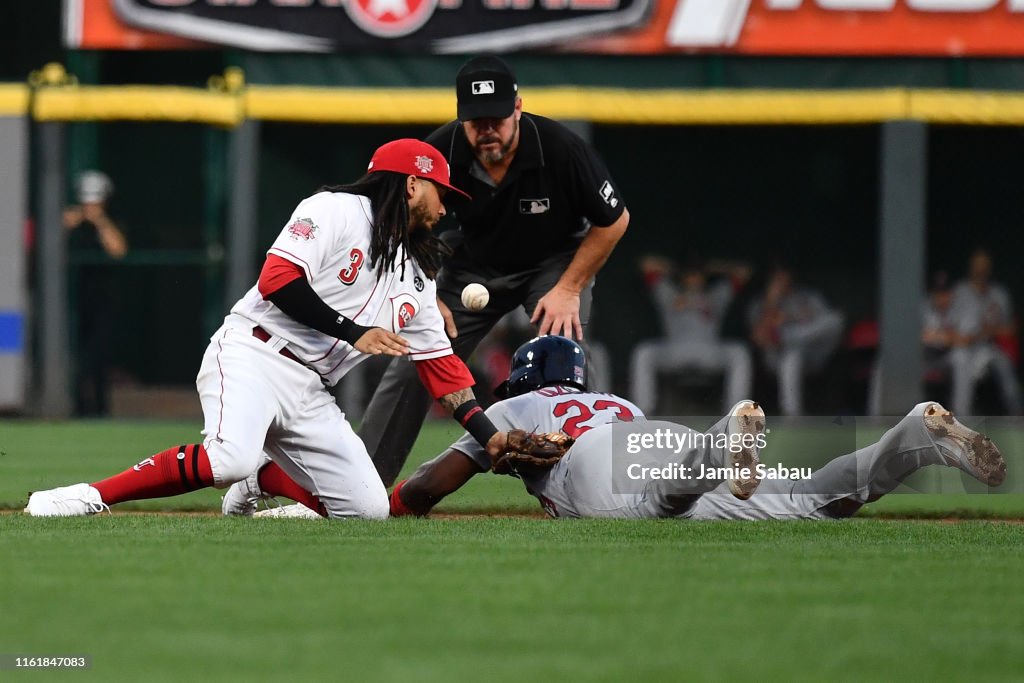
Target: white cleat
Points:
(242, 497)
(965, 448)
(748, 420)
(78, 500)
(296, 511)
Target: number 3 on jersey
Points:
(579, 413)
(349, 275)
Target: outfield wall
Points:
(755, 174)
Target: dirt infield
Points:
(540, 516)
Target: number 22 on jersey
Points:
(584, 416)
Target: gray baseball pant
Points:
(839, 488)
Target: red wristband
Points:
(398, 508)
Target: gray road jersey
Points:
(799, 306)
(972, 310)
(551, 409)
(692, 316)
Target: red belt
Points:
(265, 336)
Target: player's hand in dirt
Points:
(378, 341)
(558, 312)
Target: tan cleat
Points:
(749, 420)
(965, 448)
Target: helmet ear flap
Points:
(501, 391)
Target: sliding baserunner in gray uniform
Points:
(624, 466)
(593, 479)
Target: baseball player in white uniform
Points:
(588, 482)
(350, 275)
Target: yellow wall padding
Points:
(137, 103)
(350, 105)
(14, 98)
(437, 105)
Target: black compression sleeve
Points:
(471, 416)
(299, 302)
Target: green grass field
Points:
(199, 597)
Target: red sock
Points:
(176, 470)
(273, 481)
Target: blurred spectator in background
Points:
(94, 238)
(691, 307)
(984, 337)
(938, 328)
(938, 337)
(796, 331)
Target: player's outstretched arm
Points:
(449, 381)
(434, 480)
(462, 405)
(558, 311)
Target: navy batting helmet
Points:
(544, 361)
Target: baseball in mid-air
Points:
(475, 296)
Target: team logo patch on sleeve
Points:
(608, 194)
(303, 229)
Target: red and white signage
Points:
(751, 27)
(827, 27)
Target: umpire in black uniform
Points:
(545, 215)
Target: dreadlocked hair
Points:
(390, 225)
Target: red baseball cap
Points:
(413, 157)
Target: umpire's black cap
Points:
(486, 88)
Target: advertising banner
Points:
(749, 27)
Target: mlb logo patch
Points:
(533, 206)
(483, 87)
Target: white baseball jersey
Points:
(328, 236)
